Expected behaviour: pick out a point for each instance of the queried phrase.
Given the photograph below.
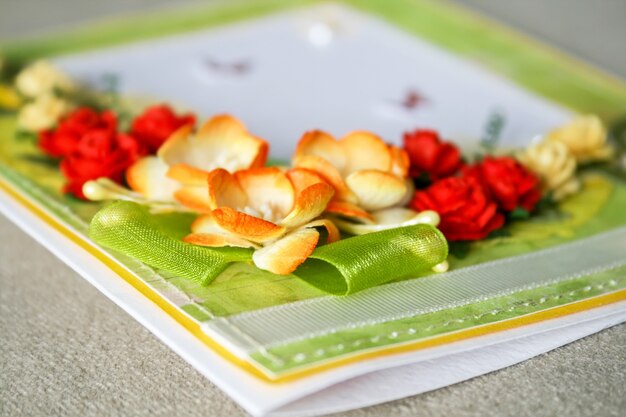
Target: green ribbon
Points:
(339, 268)
(129, 228)
(354, 264)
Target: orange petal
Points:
(323, 145)
(310, 203)
(225, 191)
(350, 210)
(269, 191)
(176, 148)
(216, 240)
(286, 254)
(331, 228)
(399, 162)
(302, 178)
(205, 224)
(222, 142)
(194, 197)
(376, 190)
(187, 174)
(365, 150)
(329, 173)
(148, 177)
(246, 226)
(225, 135)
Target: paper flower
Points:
(63, 140)
(157, 123)
(42, 78)
(430, 156)
(585, 137)
(180, 168)
(467, 213)
(101, 153)
(555, 165)
(367, 174)
(42, 113)
(267, 209)
(507, 182)
(9, 99)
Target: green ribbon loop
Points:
(340, 268)
(365, 261)
(129, 228)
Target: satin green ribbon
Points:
(340, 268)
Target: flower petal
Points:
(205, 224)
(177, 149)
(365, 151)
(245, 226)
(376, 190)
(148, 177)
(302, 178)
(225, 190)
(194, 197)
(350, 210)
(331, 229)
(187, 174)
(222, 142)
(323, 145)
(217, 240)
(310, 203)
(269, 191)
(229, 137)
(390, 219)
(399, 161)
(286, 254)
(329, 173)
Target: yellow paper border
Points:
(194, 328)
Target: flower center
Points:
(265, 211)
(226, 161)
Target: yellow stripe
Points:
(195, 329)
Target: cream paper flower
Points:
(43, 113)
(41, 78)
(585, 137)
(555, 165)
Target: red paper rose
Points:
(509, 184)
(156, 124)
(64, 139)
(466, 211)
(429, 155)
(100, 153)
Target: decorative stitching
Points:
(395, 334)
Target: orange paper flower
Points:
(182, 164)
(267, 209)
(367, 174)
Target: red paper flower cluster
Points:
(471, 199)
(91, 146)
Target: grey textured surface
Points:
(66, 350)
